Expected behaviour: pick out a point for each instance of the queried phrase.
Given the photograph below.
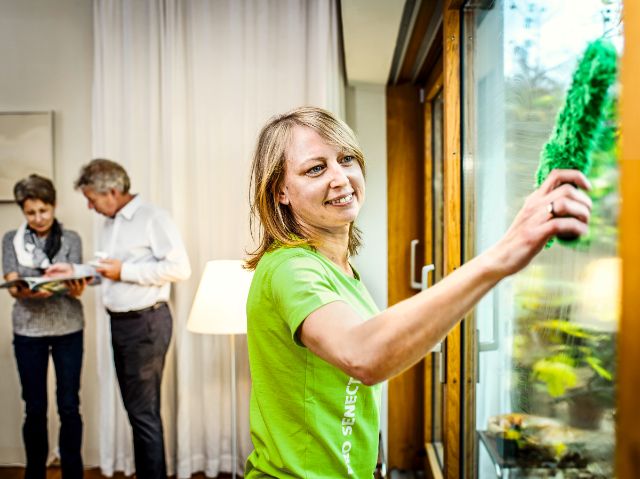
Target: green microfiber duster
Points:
(574, 134)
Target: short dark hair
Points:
(34, 187)
(102, 175)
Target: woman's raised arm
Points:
(395, 339)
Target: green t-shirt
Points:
(308, 418)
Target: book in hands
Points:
(55, 285)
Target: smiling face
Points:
(323, 186)
(39, 215)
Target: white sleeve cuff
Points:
(128, 273)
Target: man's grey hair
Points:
(103, 175)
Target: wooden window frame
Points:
(628, 414)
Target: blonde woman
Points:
(318, 346)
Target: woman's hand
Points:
(58, 270)
(557, 208)
(22, 292)
(26, 293)
(18, 293)
(76, 287)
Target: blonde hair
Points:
(276, 222)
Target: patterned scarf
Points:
(41, 256)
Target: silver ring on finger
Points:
(551, 210)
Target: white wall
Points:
(366, 114)
(46, 51)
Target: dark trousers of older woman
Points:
(32, 357)
(140, 340)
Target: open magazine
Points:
(52, 285)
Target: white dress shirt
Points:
(149, 245)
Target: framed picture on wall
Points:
(26, 146)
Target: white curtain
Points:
(181, 89)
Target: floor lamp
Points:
(220, 308)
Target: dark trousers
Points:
(140, 341)
(32, 357)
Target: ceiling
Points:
(370, 31)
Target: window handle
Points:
(494, 343)
(438, 348)
(426, 269)
(424, 284)
(412, 268)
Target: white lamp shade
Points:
(220, 303)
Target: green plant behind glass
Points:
(579, 361)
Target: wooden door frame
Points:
(432, 87)
(405, 194)
(453, 443)
(405, 188)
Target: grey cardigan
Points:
(53, 316)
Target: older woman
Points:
(318, 346)
(46, 324)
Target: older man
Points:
(144, 255)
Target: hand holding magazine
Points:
(53, 284)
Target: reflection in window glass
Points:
(546, 392)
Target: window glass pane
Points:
(438, 187)
(547, 335)
(437, 393)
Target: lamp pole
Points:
(234, 438)
(220, 308)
